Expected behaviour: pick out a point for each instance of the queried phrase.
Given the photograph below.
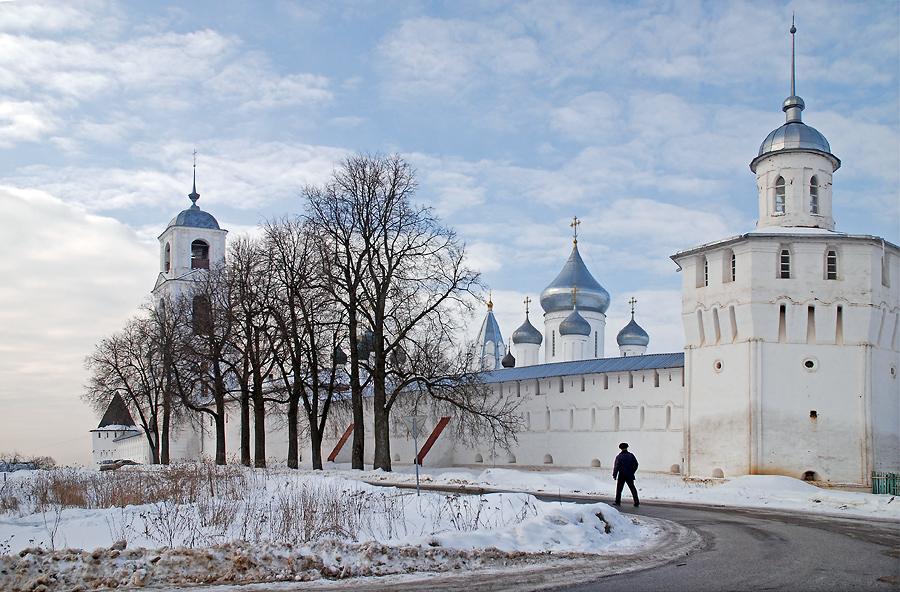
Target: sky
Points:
(639, 118)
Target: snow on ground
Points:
(282, 525)
(289, 525)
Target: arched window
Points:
(784, 270)
(167, 258)
(779, 195)
(814, 195)
(199, 255)
(831, 265)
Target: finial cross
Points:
(527, 301)
(574, 226)
(575, 292)
(632, 302)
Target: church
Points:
(790, 366)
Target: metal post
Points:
(416, 459)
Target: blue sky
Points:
(641, 118)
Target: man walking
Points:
(623, 471)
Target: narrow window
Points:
(605, 382)
(784, 271)
(733, 267)
(655, 378)
(779, 195)
(716, 328)
(668, 416)
(782, 323)
(562, 385)
(596, 344)
(831, 265)
(734, 328)
(593, 418)
(814, 195)
(630, 380)
(548, 418)
(616, 418)
(571, 418)
(582, 384)
(553, 342)
(705, 271)
(643, 415)
(167, 258)
(811, 324)
(839, 326)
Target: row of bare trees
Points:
(359, 298)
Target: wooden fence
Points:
(886, 483)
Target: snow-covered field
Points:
(268, 525)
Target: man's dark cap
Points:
(623, 446)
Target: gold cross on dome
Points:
(574, 226)
(527, 301)
(575, 292)
(632, 302)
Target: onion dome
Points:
(794, 135)
(633, 334)
(508, 360)
(557, 296)
(527, 334)
(575, 324)
(194, 217)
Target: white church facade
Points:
(790, 366)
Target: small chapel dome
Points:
(508, 360)
(557, 296)
(633, 334)
(575, 324)
(527, 334)
(194, 217)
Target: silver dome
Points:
(794, 135)
(558, 295)
(633, 334)
(574, 324)
(194, 217)
(527, 334)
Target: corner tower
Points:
(792, 331)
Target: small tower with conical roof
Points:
(794, 169)
(632, 339)
(556, 300)
(528, 341)
(191, 241)
(489, 346)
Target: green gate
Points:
(886, 483)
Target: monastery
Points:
(790, 366)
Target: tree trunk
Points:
(358, 447)
(259, 425)
(293, 417)
(220, 431)
(164, 437)
(245, 425)
(382, 417)
(315, 437)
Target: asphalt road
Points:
(767, 550)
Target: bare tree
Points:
(130, 362)
(397, 268)
(309, 325)
(251, 289)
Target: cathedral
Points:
(790, 367)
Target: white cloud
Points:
(70, 280)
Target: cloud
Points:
(72, 279)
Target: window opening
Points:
(782, 323)
(733, 267)
(199, 255)
(616, 414)
(785, 268)
(831, 265)
(814, 195)
(839, 326)
(596, 344)
(167, 258)
(811, 324)
(779, 195)
(553, 339)
(705, 271)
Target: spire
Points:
(194, 195)
(793, 105)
